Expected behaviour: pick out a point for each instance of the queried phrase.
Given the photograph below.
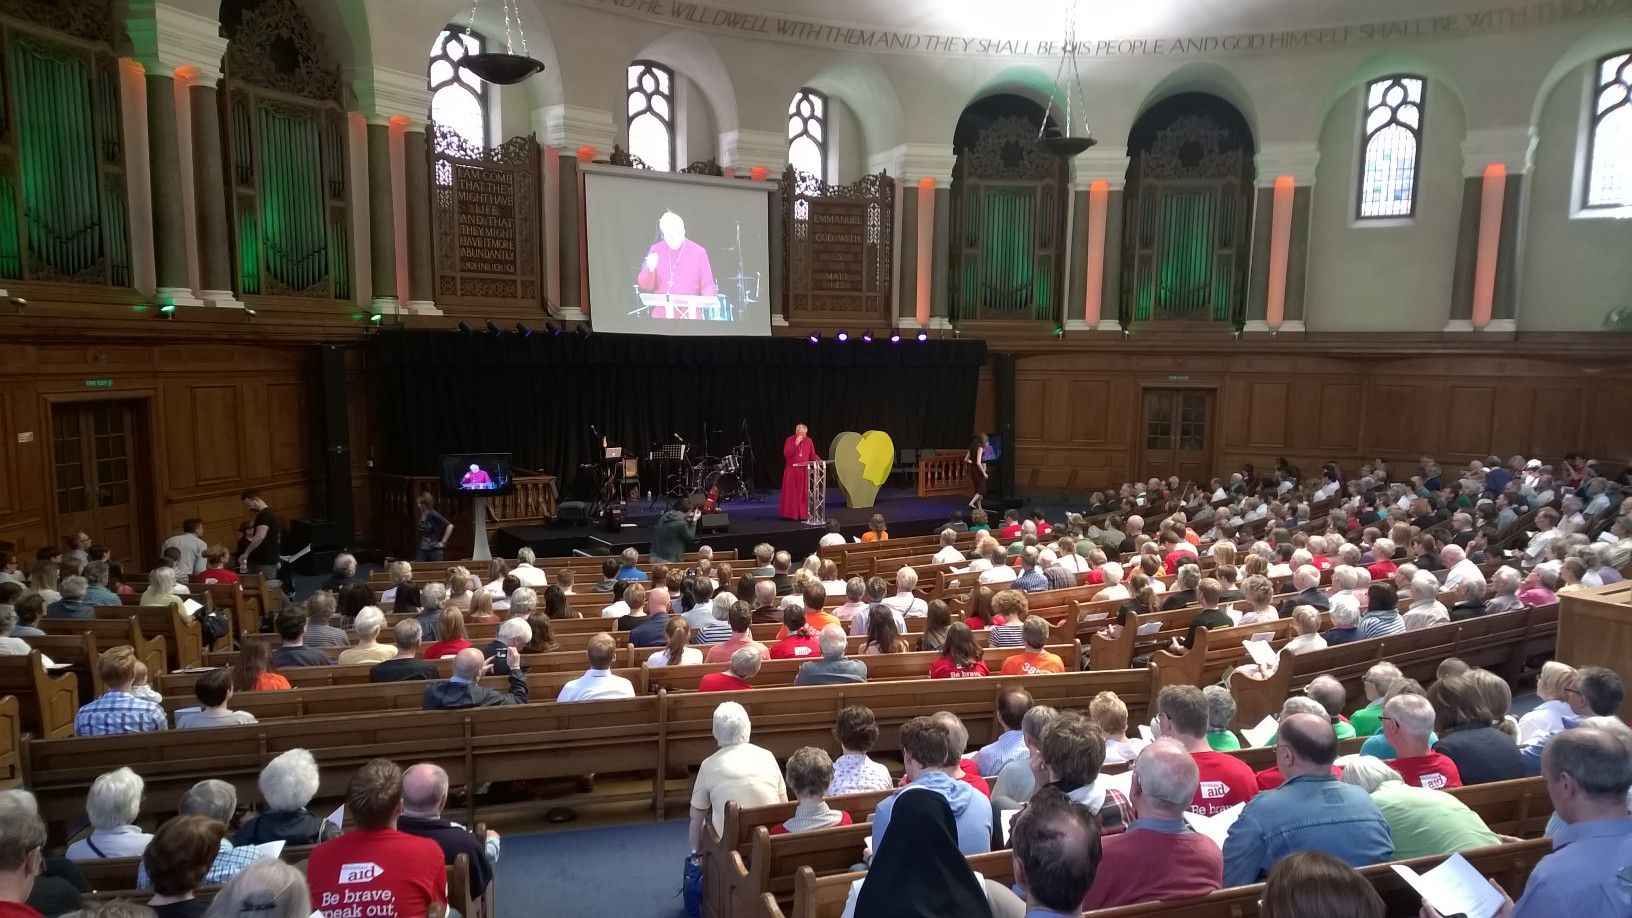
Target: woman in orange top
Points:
(450, 631)
(253, 671)
(876, 531)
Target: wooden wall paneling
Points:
(1341, 416)
(1391, 420)
(217, 443)
(1556, 420)
(1510, 425)
(1030, 408)
(8, 444)
(288, 427)
(1609, 435)
(986, 402)
(256, 432)
(1468, 422)
(1266, 415)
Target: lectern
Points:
(815, 491)
(1595, 629)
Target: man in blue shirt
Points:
(931, 760)
(1031, 579)
(1597, 690)
(1588, 773)
(1312, 811)
(629, 570)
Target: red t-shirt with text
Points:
(1433, 771)
(797, 646)
(216, 575)
(1225, 781)
(378, 873)
(942, 668)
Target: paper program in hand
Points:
(1454, 888)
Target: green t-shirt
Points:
(1223, 740)
(1425, 822)
(1367, 720)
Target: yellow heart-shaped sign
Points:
(862, 464)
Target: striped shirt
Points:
(1381, 624)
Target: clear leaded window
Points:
(1393, 137)
(807, 133)
(651, 114)
(458, 98)
(1609, 141)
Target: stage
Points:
(751, 522)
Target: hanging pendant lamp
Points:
(503, 68)
(1053, 139)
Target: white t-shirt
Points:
(908, 605)
(1000, 574)
(617, 610)
(832, 538)
(596, 684)
(948, 555)
(530, 576)
(192, 550)
(744, 773)
(690, 656)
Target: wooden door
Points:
(1178, 434)
(93, 454)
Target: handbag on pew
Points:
(691, 886)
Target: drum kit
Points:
(715, 479)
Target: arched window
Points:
(651, 114)
(1609, 140)
(1393, 136)
(458, 98)
(807, 133)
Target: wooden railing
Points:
(396, 509)
(942, 472)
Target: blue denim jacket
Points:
(1309, 812)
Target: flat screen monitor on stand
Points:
(481, 475)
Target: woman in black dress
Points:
(976, 461)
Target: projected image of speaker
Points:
(677, 254)
(477, 473)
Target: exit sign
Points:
(103, 383)
(1176, 377)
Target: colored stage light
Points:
(843, 335)
(923, 336)
(895, 338)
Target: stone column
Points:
(571, 128)
(1284, 254)
(1496, 164)
(926, 237)
(382, 249)
(211, 189)
(169, 215)
(1095, 305)
(416, 176)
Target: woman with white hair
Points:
(268, 888)
(1345, 614)
(161, 590)
(398, 573)
(288, 783)
(738, 771)
(368, 623)
(1423, 822)
(111, 807)
(719, 630)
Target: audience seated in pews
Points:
(73, 603)
(1592, 691)
(214, 692)
(288, 783)
(1221, 710)
(368, 624)
(740, 620)
(960, 656)
(1182, 714)
(424, 796)
(451, 637)
(119, 710)
(1408, 727)
(10, 643)
(738, 772)
(676, 650)
(745, 664)
(464, 689)
(598, 681)
(809, 775)
(1011, 708)
(31, 883)
(1553, 687)
(833, 668)
(405, 666)
(921, 870)
(932, 760)
(1469, 719)
(216, 801)
(411, 877)
(252, 671)
(320, 612)
(176, 862)
(856, 730)
(291, 626)
(112, 807)
(1307, 884)
(1070, 752)
(1422, 820)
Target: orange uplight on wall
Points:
(926, 249)
(1099, 193)
(1490, 239)
(758, 173)
(1280, 247)
(586, 154)
(186, 73)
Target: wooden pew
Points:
(47, 701)
(109, 633)
(80, 653)
(183, 638)
(729, 876)
(1520, 807)
(880, 667)
(11, 743)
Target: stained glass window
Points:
(1393, 137)
(458, 98)
(1609, 143)
(651, 114)
(807, 133)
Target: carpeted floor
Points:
(625, 871)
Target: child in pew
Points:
(141, 688)
(809, 773)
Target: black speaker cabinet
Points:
(713, 523)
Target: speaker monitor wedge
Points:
(713, 523)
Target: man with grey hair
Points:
(999, 574)
(1421, 821)
(1458, 567)
(1030, 579)
(530, 575)
(1220, 713)
(288, 783)
(1306, 580)
(948, 553)
(1408, 726)
(905, 602)
(1375, 683)
(1184, 588)
(320, 608)
(1505, 582)
(96, 590)
(344, 575)
(215, 800)
(406, 665)
(1159, 858)
(1425, 610)
(512, 633)
(464, 688)
(424, 796)
(1110, 574)
(431, 598)
(523, 601)
(1470, 601)
(782, 572)
(22, 862)
(72, 605)
(738, 772)
(1059, 576)
(1588, 774)
(832, 668)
